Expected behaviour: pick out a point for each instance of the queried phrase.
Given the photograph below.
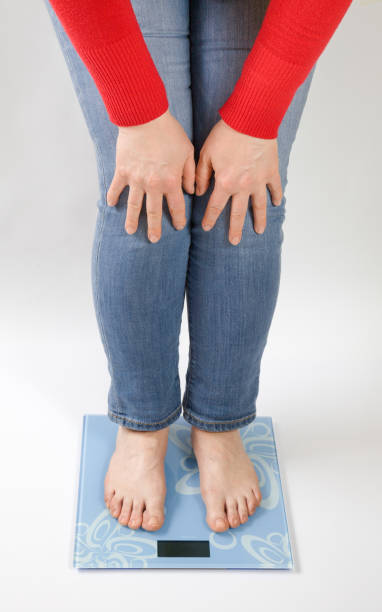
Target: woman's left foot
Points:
(228, 481)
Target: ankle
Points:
(147, 438)
(232, 434)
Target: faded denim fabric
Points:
(139, 288)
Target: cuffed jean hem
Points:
(140, 425)
(215, 426)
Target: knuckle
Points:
(121, 172)
(259, 181)
(226, 183)
(236, 213)
(133, 205)
(175, 208)
(260, 206)
(274, 172)
(153, 181)
(137, 179)
(271, 173)
(246, 181)
(215, 208)
(170, 182)
(154, 213)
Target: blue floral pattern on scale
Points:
(106, 543)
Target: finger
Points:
(154, 202)
(189, 174)
(276, 190)
(177, 208)
(203, 174)
(259, 206)
(216, 204)
(239, 207)
(117, 185)
(134, 207)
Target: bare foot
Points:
(228, 481)
(135, 487)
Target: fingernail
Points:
(206, 227)
(198, 190)
(130, 230)
(153, 238)
(180, 227)
(235, 240)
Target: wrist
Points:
(156, 119)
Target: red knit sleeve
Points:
(107, 37)
(292, 36)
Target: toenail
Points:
(220, 523)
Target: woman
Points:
(162, 84)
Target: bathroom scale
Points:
(185, 540)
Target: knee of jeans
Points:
(270, 239)
(114, 223)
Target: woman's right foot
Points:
(135, 487)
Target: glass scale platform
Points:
(185, 540)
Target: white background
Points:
(321, 378)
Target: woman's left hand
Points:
(244, 166)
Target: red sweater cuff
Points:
(262, 93)
(127, 80)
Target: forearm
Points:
(108, 39)
(293, 35)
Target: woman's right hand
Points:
(156, 159)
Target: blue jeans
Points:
(139, 287)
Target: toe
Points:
(243, 509)
(232, 512)
(252, 502)
(216, 515)
(108, 494)
(124, 517)
(135, 520)
(108, 499)
(115, 505)
(258, 495)
(153, 516)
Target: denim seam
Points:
(189, 412)
(170, 416)
(102, 330)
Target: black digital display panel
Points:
(183, 548)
